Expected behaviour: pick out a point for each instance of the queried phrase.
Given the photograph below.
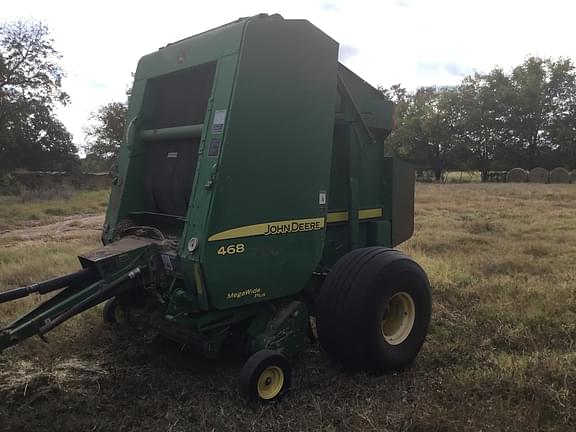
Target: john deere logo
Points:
(271, 228)
(290, 227)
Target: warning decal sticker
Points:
(219, 120)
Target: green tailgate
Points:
(266, 223)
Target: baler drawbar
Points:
(81, 290)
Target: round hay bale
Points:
(573, 177)
(559, 175)
(517, 175)
(538, 175)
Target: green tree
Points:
(396, 145)
(30, 88)
(563, 116)
(543, 112)
(529, 110)
(484, 121)
(106, 133)
(426, 122)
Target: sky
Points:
(412, 42)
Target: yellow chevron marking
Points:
(292, 225)
(370, 213)
(362, 214)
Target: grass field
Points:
(501, 353)
(34, 208)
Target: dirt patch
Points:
(66, 228)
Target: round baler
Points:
(252, 208)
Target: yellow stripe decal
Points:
(362, 214)
(293, 225)
(198, 280)
(337, 217)
(271, 228)
(370, 213)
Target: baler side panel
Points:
(130, 169)
(399, 186)
(374, 196)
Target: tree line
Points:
(525, 117)
(490, 121)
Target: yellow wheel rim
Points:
(270, 382)
(399, 318)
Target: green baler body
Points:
(253, 161)
(243, 145)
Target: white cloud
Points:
(328, 6)
(413, 42)
(346, 52)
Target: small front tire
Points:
(113, 312)
(265, 377)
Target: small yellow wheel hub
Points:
(399, 318)
(270, 382)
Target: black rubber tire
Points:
(352, 303)
(110, 311)
(253, 369)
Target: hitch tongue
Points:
(82, 277)
(64, 305)
(102, 293)
(81, 290)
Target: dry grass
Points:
(462, 177)
(501, 352)
(31, 208)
